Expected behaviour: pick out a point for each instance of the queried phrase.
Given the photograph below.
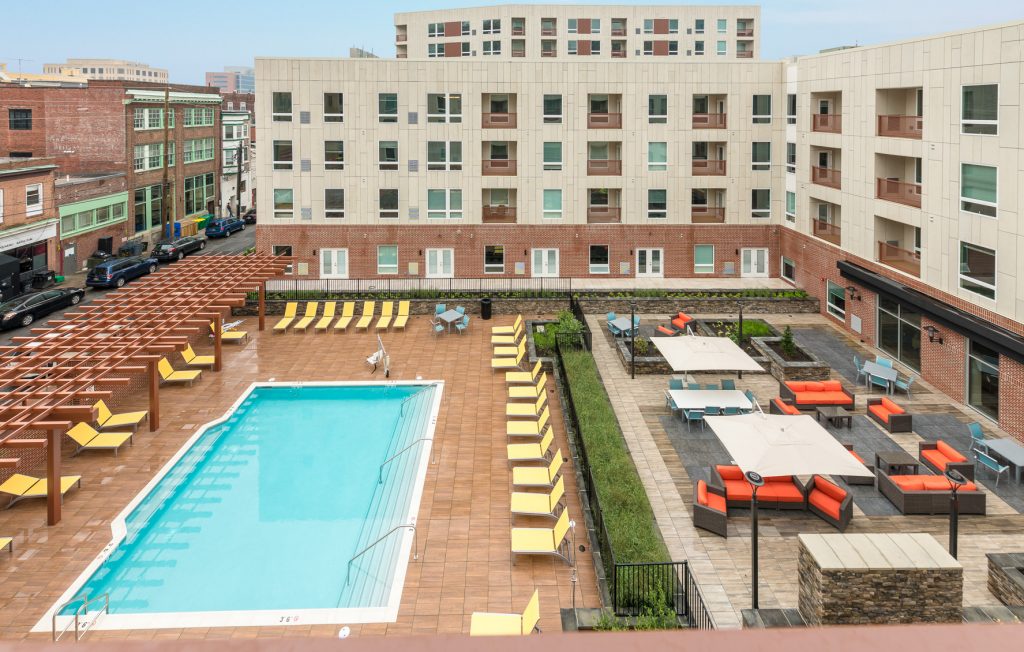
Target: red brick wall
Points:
(1011, 397)
(945, 365)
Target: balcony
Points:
(744, 54)
(618, 31)
(499, 121)
(707, 215)
(499, 167)
(709, 120)
(826, 231)
(604, 215)
(898, 258)
(829, 123)
(900, 126)
(518, 30)
(618, 53)
(499, 215)
(549, 53)
(901, 192)
(825, 177)
(549, 31)
(745, 32)
(709, 168)
(596, 167)
(401, 38)
(604, 121)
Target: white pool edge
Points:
(258, 618)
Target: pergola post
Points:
(218, 324)
(53, 495)
(263, 305)
(154, 396)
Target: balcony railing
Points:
(709, 120)
(518, 53)
(549, 53)
(604, 215)
(499, 167)
(499, 215)
(899, 258)
(900, 126)
(709, 168)
(825, 177)
(707, 215)
(745, 32)
(830, 123)
(744, 54)
(401, 55)
(618, 31)
(604, 121)
(518, 31)
(499, 121)
(900, 192)
(401, 38)
(598, 167)
(549, 31)
(618, 54)
(826, 231)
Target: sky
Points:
(191, 37)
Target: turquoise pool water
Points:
(264, 511)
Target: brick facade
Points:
(15, 176)
(70, 190)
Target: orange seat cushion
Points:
(729, 472)
(683, 317)
(708, 499)
(796, 385)
(909, 482)
(738, 490)
(824, 502)
(783, 492)
(937, 459)
(880, 412)
(830, 489)
(892, 407)
(666, 331)
(940, 483)
(814, 386)
(680, 324)
(832, 386)
(786, 407)
(952, 454)
(823, 398)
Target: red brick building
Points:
(28, 214)
(93, 212)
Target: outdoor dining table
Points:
(622, 324)
(1010, 451)
(698, 399)
(450, 317)
(888, 374)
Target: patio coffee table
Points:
(450, 317)
(896, 463)
(836, 415)
(622, 324)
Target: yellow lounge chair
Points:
(193, 360)
(20, 487)
(538, 476)
(532, 452)
(533, 504)
(290, 309)
(498, 340)
(492, 624)
(367, 316)
(527, 428)
(387, 310)
(524, 377)
(308, 317)
(507, 330)
(532, 392)
(510, 363)
(106, 419)
(324, 322)
(7, 542)
(528, 410)
(88, 438)
(403, 316)
(347, 311)
(510, 351)
(169, 375)
(230, 336)
(542, 540)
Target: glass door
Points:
(754, 263)
(334, 263)
(440, 263)
(545, 263)
(648, 263)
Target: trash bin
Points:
(485, 308)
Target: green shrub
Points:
(751, 328)
(608, 622)
(544, 341)
(787, 344)
(642, 346)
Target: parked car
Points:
(118, 271)
(168, 250)
(250, 216)
(27, 308)
(223, 227)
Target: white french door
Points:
(334, 263)
(545, 263)
(649, 263)
(754, 263)
(440, 263)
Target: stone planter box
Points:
(704, 328)
(698, 306)
(652, 363)
(1006, 577)
(547, 362)
(783, 370)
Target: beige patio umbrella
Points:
(689, 353)
(778, 444)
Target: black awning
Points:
(984, 332)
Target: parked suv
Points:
(118, 271)
(223, 227)
(168, 250)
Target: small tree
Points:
(787, 344)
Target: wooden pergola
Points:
(53, 378)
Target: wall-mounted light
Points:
(852, 289)
(525, 252)
(933, 333)
(421, 252)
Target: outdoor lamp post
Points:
(632, 339)
(755, 481)
(956, 480)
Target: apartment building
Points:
(28, 216)
(108, 70)
(237, 191)
(581, 31)
(93, 211)
(233, 79)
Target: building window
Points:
(836, 300)
(334, 155)
(761, 202)
(899, 332)
(761, 156)
(387, 107)
(552, 204)
(698, 48)
(199, 116)
(435, 30)
(282, 155)
(573, 45)
(494, 259)
(599, 262)
(143, 118)
(334, 107)
(284, 207)
(983, 379)
(443, 155)
(723, 25)
(762, 109)
(791, 109)
(978, 186)
(387, 155)
(199, 192)
(720, 49)
(444, 204)
(492, 26)
(282, 107)
(552, 156)
(698, 26)
(704, 259)
(387, 259)
(33, 199)
(334, 202)
(657, 156)
(788, 270)
(444, 108)
(334, 263)
(282, 250)
(791, 158)
(492, 48)
(388, 198)
(790, 206)
(657, 109)
(19, 119)
(595, 47)
(978, 270)
(980, 110)
(199, 149)
(552, 109)
(657, 203)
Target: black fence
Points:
(420, 288)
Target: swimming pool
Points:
(256, 519)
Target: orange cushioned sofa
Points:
(681, 321)
(939, 456)
(889, 415)
(781, 492)
(709, 508)
(830, 502)
(782, 406)
(929, 494)
(810, 394)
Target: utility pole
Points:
(165, 201)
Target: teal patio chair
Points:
(692, 416)
(905, 384)
(463, 325)
(728, 383)
(675, 383)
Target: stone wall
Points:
(1006, 577)
(784, 370)
(653, 363)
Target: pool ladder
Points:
(83, 609)
(415, 548)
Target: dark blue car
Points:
(224, 227)
(118, 271)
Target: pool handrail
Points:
(86, 601)
(380, 474)
(415, 549)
